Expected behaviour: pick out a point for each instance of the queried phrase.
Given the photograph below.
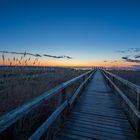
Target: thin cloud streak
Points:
(130, 60)
(130, 50)
(35, 55)
(53, 56)
(137, 56)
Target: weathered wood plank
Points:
(68, 136)
(101, 132)
(98, 125)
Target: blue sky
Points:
(89, 31)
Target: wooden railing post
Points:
(64, 97)
(138, 120)
(83, 79)
(138, 100)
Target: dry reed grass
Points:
(20, 87)
(132, 76)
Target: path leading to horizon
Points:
(97, 115)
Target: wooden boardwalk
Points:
(97, 115)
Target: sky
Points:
(92, 32)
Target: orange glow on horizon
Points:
(71, 64)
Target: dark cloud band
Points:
(130, 60)
(35, 55)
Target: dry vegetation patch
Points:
(132, 76)
(21, 85)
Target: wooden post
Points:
(138, 120)
(83, 81)
(63, 98)
(138, 99)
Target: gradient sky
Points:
(90, 31)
